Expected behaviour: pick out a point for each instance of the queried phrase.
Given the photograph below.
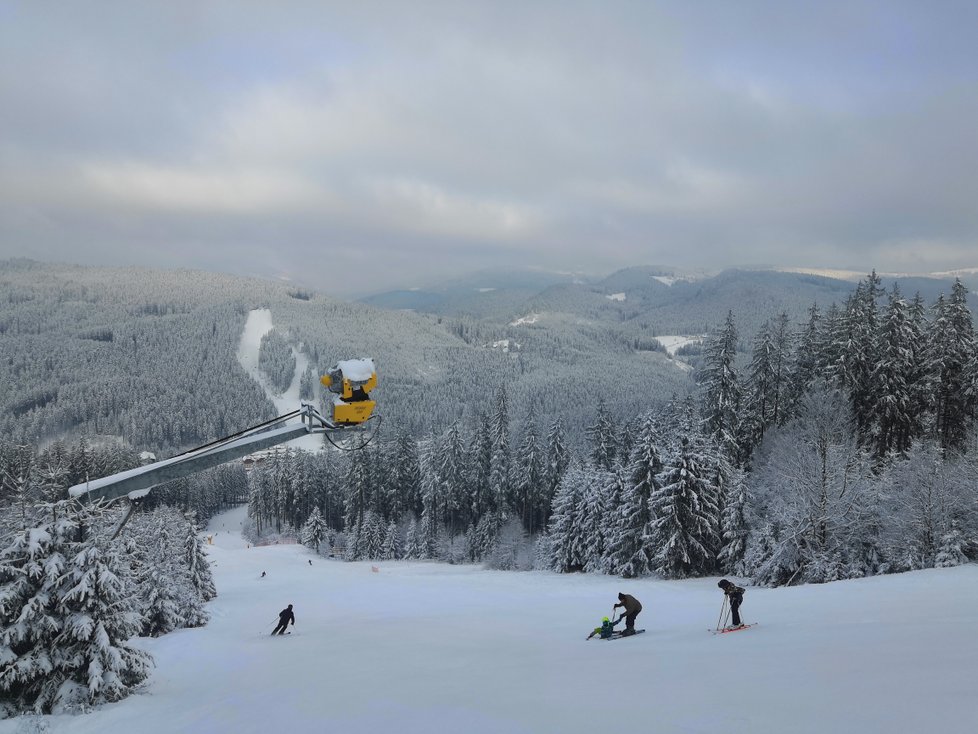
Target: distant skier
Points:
(284, 617)
(263, 574)
(310, 561)
(735, 595)
(630, 609)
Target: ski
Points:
(619, 635)
(725, 630)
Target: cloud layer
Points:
(363, 145)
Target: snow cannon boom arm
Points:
(351, 408)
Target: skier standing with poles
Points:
(735, 595)
(284, 617)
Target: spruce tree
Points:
(565, 522)
(101, 616)
(602, 438)
(391, 548)
(892, 423)
(314, 531)
(31, 620)
(684, 530)
(721, 390)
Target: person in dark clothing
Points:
(284, 617)
(735, 595)
(630, 609)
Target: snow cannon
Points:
(350, 383)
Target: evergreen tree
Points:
(721, 390)
(602, 438)
(198, 568)
(627, 542)
(529, 478)
(591, 511)
(558, 459)
(163, 608)
(734, 526)
(891, 401)
(31, 622)
(101, 615)
(499, 464)
(391, 548)
(412, 545)
(565, 522)
(950, 353)
(315, 530)
(686, 520)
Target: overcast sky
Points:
(357, 146)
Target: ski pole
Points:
(723, 606)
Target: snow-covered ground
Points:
(258, 324)
(673, 342)
(425, 647)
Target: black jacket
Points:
(286, 616)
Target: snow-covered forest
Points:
(838, 447)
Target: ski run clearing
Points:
(425, 647)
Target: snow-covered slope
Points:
(258, 324)
(419, 647)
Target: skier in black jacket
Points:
(284, 617)
(735, 595)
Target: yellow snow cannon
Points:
(350, 383)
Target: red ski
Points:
(725, 630)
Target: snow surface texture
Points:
(425, 647)
(258, 324)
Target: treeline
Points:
(807, 469)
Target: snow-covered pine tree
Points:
(412, 543)
(315, 530)
(31, 621)
(391, 548)
(404, 480)
(860, 351)
(500, 459)
(92, 661)
(613, 492)
(529, 476)
(164, 607)
(198, 567)
(734, 525)
(603, 439)
(592, 509)
(804, 366)
(721, 390)
(373, 535)
(684, 531)
(452, 479)
(558, 459)
(565, 522)
(950, 353)
(892, 424)
(628, 528)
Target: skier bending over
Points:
(630, 609)
(735, 595)
(284, 617)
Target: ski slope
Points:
(258, 324)
(425, 647)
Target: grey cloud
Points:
(395, 139)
